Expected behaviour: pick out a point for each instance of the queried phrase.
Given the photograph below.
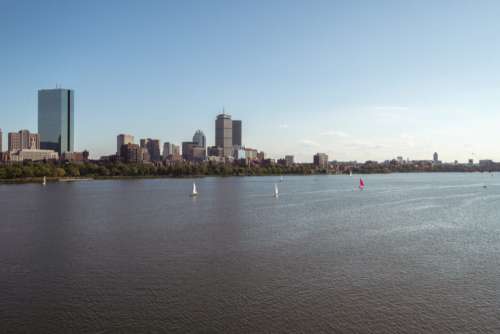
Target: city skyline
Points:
(357, 83)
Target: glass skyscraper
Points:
(56, 119)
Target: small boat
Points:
(361, 184)
(195, 192)
(44, 182)
(281, 178)
(276, 192)
(350, 173)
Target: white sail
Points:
(195, 192)
(276, 193)
(44, 181)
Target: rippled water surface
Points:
(412, 253)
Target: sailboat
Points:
(361, 184)
(281, 178)
(195, 192)
(350, 173)
(44, 182)
(276, 192)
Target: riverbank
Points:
(146, 177)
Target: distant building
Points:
(236, 134)
(320, 160)
(471, 161)
(131, 153)
(187, 150)
(75, 156)
(146, 157)
(289, 160)
(486, 163)
(167, 150)
(240, 154)
(1, 141)
(199, 139)
(23, 140)
(224, 133)
(153, 148)
(435, 158)
(123, 139)
(214, 151)
(261, 156)
(193, 152)
(56, 119)
(33, 155)
(199, 153)
(251, 154)
(176, 152)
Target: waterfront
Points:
(411, 253)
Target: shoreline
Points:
(34, 180)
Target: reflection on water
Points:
(411, 253)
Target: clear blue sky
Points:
(355, 79)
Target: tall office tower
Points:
(23, 140)
(435, 157)
(237, 133)
(199, 139)
(153, 148)
(56, 119)
(224, 133)
(1, 141)
(123, 139)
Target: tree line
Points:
(29, 170)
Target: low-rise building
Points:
(75, 156)
(33, 155)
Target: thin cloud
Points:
(391, 108)
(335, 133)
(283, 126)
(308, 142)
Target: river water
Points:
(412, 253)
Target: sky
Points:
(358, 80)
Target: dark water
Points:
(412, 253)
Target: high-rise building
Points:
(153, 148)
(435, 157)
(289, 160)
(56, 119)
(237, 133)
(224, 133)
(123, 139)
(23, 140)
(199, 139)
(1, 141)
(321, 160)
